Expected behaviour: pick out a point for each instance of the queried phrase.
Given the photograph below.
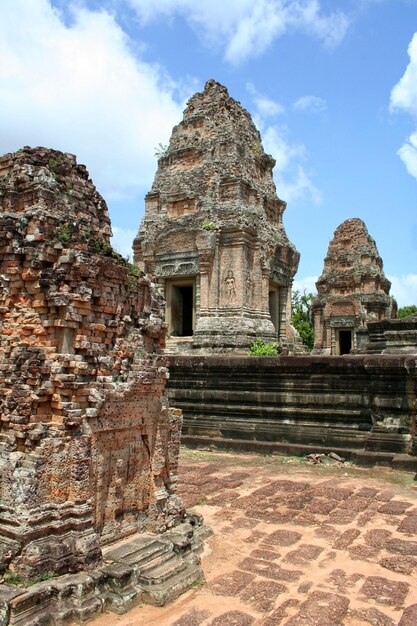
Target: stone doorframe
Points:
(174, 303)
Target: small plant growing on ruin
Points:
(63, 234)
(103, 248)
(161, 150)
(256, 149)
(134, 274)
(208, 225)
(200, 582)
(260, 348)
(134, 270)
(53, 163)
(42, 578)
(12, 578)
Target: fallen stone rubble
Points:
(325, 459)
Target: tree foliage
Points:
(405, 311)
(301, 316)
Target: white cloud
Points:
(404, 94)
(404, 289)
(294, 184)
(293, 181)
(404, 97)
(246, 28)
(265, 107)
(122, 241)
(77, 87)
(273, 139)
(408, 154)
(312, 104)
(308, 284)
(329, 28)
(300, 187)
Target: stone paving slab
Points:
(296, 545)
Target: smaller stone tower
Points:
(213, 233)
(352, 291)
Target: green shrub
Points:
(260, 348)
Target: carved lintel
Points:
(178, 268)
(342, 322)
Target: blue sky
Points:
(331, 84)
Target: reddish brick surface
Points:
(321, 569)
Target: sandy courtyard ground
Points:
(296, 545)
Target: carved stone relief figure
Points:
(249, 287)
(362, 316)
(230, 283)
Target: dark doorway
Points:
(182, 308)
(187, 311)
(345, 341)
(273, 308)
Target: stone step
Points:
(161, 593)
(138, 552)
(161, 569)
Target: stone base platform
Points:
(362, 458)
(153, 569)
(363, 407)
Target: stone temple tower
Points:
(212, 232)
(352, 291)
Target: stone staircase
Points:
(154, 569)
(163, 569)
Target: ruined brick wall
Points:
(88, 444)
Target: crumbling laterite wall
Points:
(88, 445)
